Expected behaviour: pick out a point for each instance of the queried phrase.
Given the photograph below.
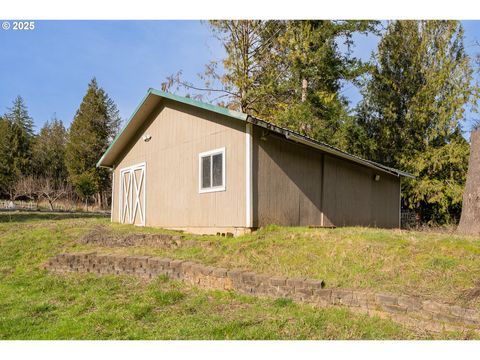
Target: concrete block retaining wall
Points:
(406, 309)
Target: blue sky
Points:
(51, 65)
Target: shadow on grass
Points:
(25, 216)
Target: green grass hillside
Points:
(440, 266)
(37, 305)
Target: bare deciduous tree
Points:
(37, 188)
(246, 44)
(24, 187)
(51, 192)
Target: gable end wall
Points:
(179, 133)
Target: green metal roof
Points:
(247, 118)
(185, 100)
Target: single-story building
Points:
(187, 165)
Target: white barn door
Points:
(132, 195)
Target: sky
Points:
(51, 65)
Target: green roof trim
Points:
(185, 100)
(199, 104)
(121, 131)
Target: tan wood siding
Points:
(286, 182)
(353, 197)
(288, 188)
(179, 134)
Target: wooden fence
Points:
(409, 219)
(8, 205)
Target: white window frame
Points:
(211, 153)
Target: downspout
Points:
(248, 175)
(113, 192)
(322, 187)
(399, 202)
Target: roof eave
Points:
(164, 95)
(189, 101)
(326, 148)
(100, 162)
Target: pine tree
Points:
(49, 152)
(7, 171)
(287, 72)
(307, 96)
(18, 115)
(412, 111)
(95, 124)
(22, 136)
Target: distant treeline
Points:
(58, 163)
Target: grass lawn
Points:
(37, 305)
(439, 266)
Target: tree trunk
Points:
(50, 203)
(106, 197)
(304, 89)
(470, 219)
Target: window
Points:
(212, 171)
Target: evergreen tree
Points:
(18, 115)
(412, 111)
(49, 152)
(7, 171)
(95, 125)
(307, 96)
(287, 72)
(21, 136)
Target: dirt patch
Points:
(102, 236)
(473, 293)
